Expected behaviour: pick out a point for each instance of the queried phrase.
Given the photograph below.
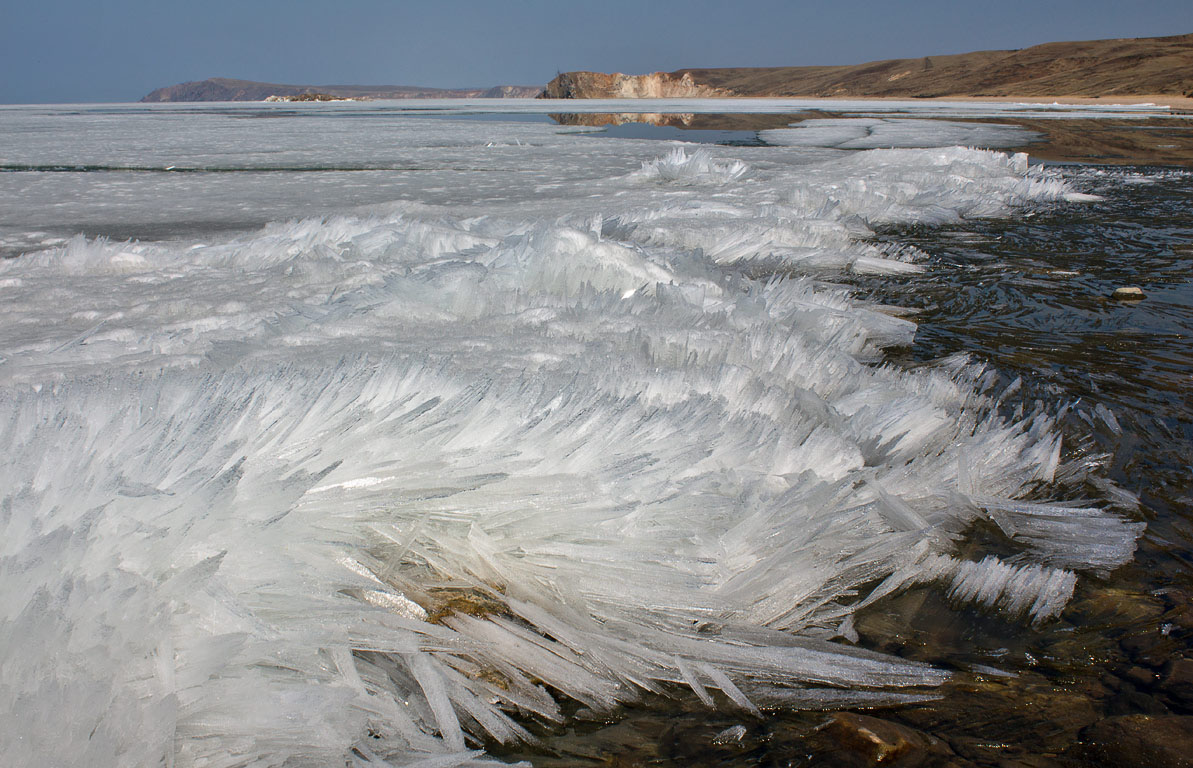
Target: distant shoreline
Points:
(1177, 103)
(1180, 104)
(230, 89)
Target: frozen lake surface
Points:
(392, 435)
(126, 171)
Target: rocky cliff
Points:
(659, 85)
(1147, 65)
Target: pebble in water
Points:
(882, 741)
(1128, 293)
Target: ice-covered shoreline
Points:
(387, 485)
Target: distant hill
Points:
(1096, 68)
(225, 89)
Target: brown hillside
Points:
(1152, 65)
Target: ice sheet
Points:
(876, 133)
(562, 418)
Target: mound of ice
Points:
(698, 167)
(389, 487)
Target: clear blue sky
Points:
(119, 50)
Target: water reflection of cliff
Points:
(683, 120)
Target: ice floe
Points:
(892, 132)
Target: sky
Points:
(119, 50)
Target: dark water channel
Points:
(1111, 681)
(1031, 297)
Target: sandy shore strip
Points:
(1177, 103)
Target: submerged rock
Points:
(1155, 741)
(1128, 293)
(732, 735)
(1177, 681)
(882, 741)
